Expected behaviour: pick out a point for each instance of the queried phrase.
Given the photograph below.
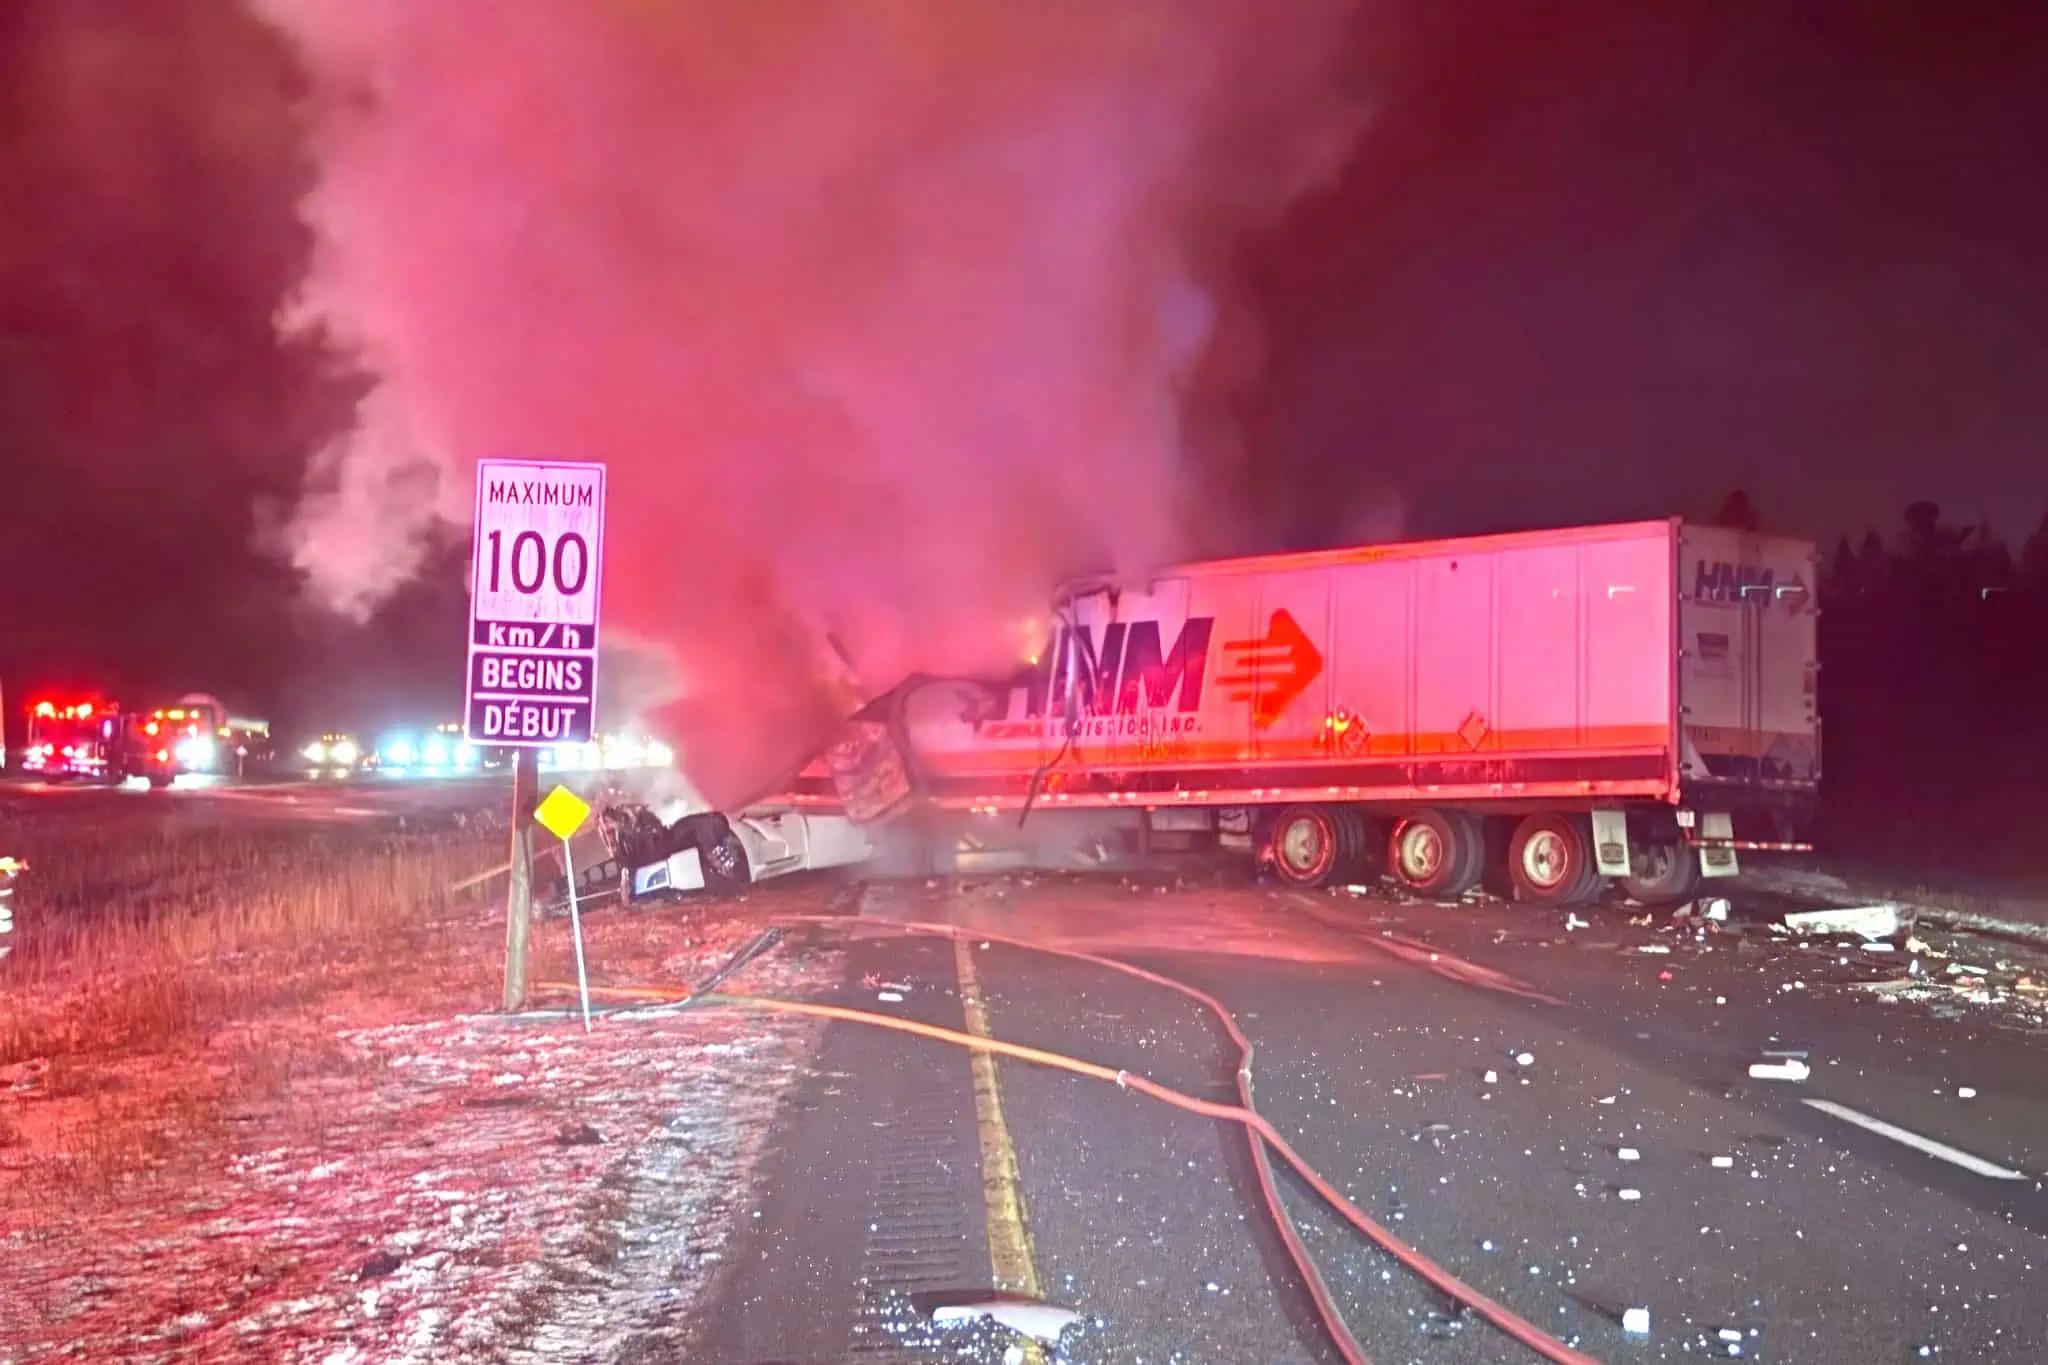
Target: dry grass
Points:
(160, 984)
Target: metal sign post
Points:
(519, 889)
(534, 587)
(562, 814)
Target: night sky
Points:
(1609, 261)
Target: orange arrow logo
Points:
(1273, 671)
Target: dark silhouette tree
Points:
(2033, 566)
(1737, 512)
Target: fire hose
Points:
(1260, 1132)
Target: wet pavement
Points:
(1562, 1116)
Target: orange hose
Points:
(1502, 1317)
(654, 995)
(1290, 1236)
(1499, 1315)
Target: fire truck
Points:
(1549, 710)
(196, 734)
(77, 737)
(93, 737)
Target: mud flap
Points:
(1718, 860)
(1610, 842)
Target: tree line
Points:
(1934, 650)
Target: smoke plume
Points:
(884, 315)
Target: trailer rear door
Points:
(1748, 664)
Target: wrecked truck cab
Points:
(681, 849)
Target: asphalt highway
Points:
(1558, 1110)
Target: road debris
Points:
(1628, 1195)
(1042, 1322)
(1636, 1321)
(1864, 921)
(1966, 1092)
(1628, 1154)
(1653, 948)
(1525, 1059)
(1716, 909)
(890, 997)
(1491, 1078)
(1441, 1326)
(1722, 1163)
(1789, 1069)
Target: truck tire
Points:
(725, 862)
(1662, 874)
(1307, 845)
(1550, 860)
(1436, 853)
(1356, 845)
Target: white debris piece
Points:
(1966, 1092)
(1636, 1321)
(1717, 909)
(1491, 1078)
(1724, 1163)
(890, 997)
(1653, 948)
(1013, 1354)
(1040, 1321)
(1525, 1059)
(1628, 1154)
(1868, 921)
(1572, 921)
(1729, 1333)
(1789, 1069)
(1628, 1196)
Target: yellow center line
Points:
(1009, 1235)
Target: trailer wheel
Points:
(1662, 874)
(1550, 860)
(1354, 845)
(1307, 845)
(1436, 853)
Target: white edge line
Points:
(1976, 1165)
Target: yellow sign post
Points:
(561, 813)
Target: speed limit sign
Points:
(533, 602)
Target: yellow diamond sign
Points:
(562, 812)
